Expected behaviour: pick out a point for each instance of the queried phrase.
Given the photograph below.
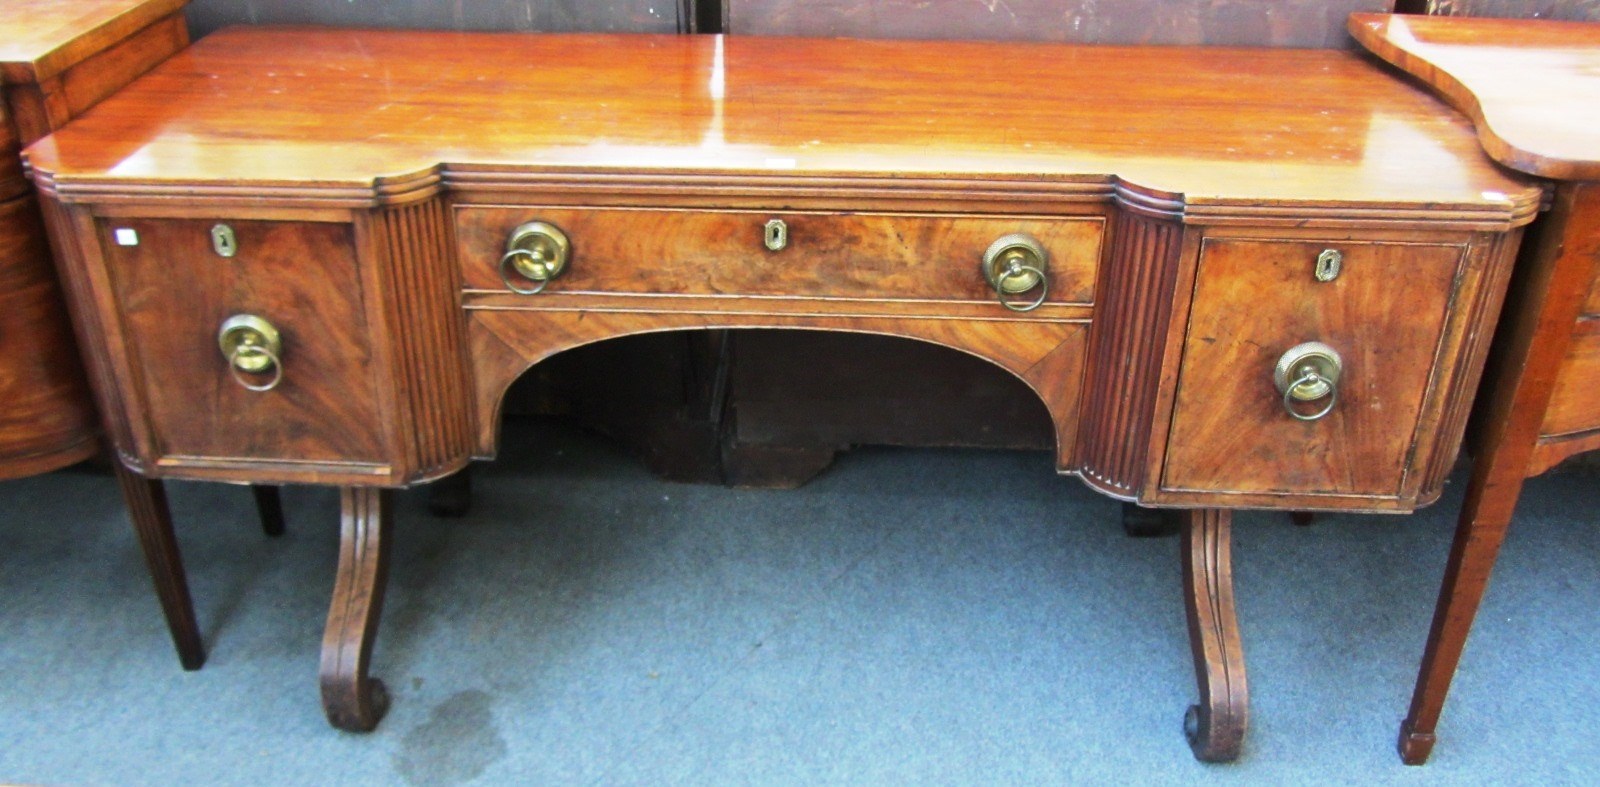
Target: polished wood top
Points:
(1532, 86)
(390, 113)
(42, 38)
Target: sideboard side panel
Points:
(1132, 313)
(427, 337)
(1474, 318)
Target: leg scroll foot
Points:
(352, 700)
(1215, 727)
(152, 521)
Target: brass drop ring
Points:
(277, 367)
(1018, 269)
(1307, 379)
(506, 276)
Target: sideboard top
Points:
(1531, 85)
(387, 113)
(42, 38)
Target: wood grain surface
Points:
(1223, 132)
(41, 38)
(175, 292)
(1575, 402)
(13, 183)
(1384, 315)
(46, 421)
(841, 255)
(1531, 86)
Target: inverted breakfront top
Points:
(370, 116)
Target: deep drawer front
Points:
(1384, 315)
(1591, 303)
(46, 402)
(12, 182)
(175, 292)
(837, 255)
(1575, 402)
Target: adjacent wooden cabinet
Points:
(1278, 297)
(1533, 90)
(58, 58)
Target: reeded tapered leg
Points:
(152, 521)
(352, 700)
(270, 507)
(1554, 274)
(1215, 727)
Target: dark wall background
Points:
(651, 16)
(1295, 23)
(1305, 23)
(1315, 23)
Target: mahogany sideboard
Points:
(1533, 90)
(1234, 278)
(58, 58)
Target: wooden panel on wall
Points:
(1298, 23)
(616, 16)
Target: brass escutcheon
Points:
(223, 241)
(1329, 263)
(775, 235)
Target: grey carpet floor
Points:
(938, 617)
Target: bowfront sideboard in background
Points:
(1280, 296)
(58, 59)
(1533, 90)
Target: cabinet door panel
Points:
(1384, 314)
(175, 291)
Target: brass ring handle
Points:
(536, 251)
(1015, 264)
(234, 360)
(252, 345)
(1308, 372)
(1309, 379)
(508, 261)
(1018, 269)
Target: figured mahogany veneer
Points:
(1183, 197)
(1533, 90)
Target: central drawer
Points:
(869, 256)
